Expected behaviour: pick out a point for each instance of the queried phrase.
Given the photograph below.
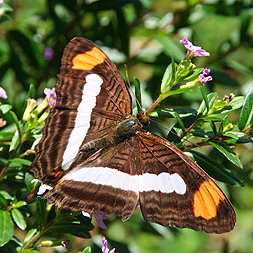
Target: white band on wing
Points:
(163, 182)
(91, 89)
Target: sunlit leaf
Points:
(137, 87)
(30, 234)
(5, 108)
(246, 112)
(16, 162)
(211, 97)
(86, 250)
(18, 218)
(6, 227)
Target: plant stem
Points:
(153, 106)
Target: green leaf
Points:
(179, 120)
(216, 170)
(246, 112)
(12, 117)
(30, 235)
(232, 157)
(6, 136)
(5, 108)
(19, 204)
(6, 227)
(28, 181)
(14, 141)
(137, 87)
(204, 93)
(211, 97)
(29, 251)
(19, 162)
(6, 195)
(18, 218)
(168, 77)
(86, 250)
(236, 102)
(194, 75)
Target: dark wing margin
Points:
(203, 206)
(81, 60)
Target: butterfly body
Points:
(96, 156)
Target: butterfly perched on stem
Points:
(95, 155)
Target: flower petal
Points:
(3, 93)
(193, 50)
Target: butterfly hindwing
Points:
(103, 182)
(91, 98)
(186, 198)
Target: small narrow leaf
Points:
(15, 141)
(18, 218)
(137, 87)
(211, 97)
(228, 154)
(168, 77)
(30, 234)
(6, 195)
(246, 112)
(86, 250)
(19, 204)
(6, 227)
(204, 91)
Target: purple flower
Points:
(105, 247)
(51, 96)
(48, 53)
(3, 93)
(194, 51)
(204, 77)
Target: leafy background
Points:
(144, 35)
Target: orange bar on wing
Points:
(88, 60)
(206, 200)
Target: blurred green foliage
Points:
(214, 126)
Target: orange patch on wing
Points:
(206, 200)
(89, 59)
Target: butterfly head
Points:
(127, 127)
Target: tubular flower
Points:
(51, 96)
(204, 77)
(105, 247)
(193, 51)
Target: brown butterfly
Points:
(95, 156)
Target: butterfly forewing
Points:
(91, 98)
(186, 196)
